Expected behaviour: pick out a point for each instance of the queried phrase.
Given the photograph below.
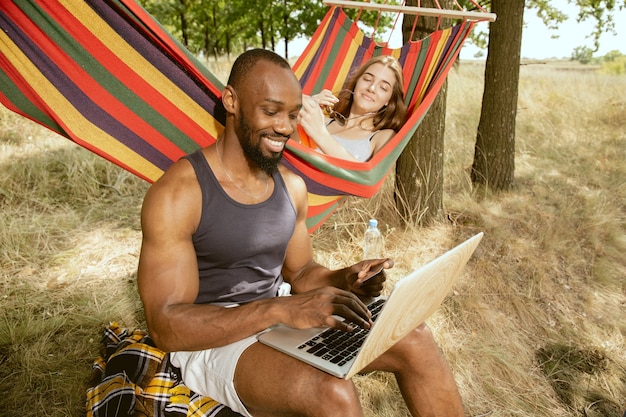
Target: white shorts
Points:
(211, 372)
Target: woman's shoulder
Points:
(380, 138)
(383, 135)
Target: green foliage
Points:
(613, 63)
(598, 11)
(601, 13)
(220, 27)
(582, 54)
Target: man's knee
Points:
(414, 351)
(418, 340)
(337, 397)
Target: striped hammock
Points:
(106, 75)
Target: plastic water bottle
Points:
(373, 241)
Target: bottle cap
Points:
(373, 223)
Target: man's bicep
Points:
(168, 272)
(299, 253)
(300, 249)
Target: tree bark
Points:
(494, 153)
(419, 169)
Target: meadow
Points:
(534, 327)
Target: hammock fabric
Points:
(109, 77)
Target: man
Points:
(221, 229)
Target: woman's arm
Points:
(312, 120)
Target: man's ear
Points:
(229, 99)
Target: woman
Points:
(366, 115)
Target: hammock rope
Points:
(109, 77)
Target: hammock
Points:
(107, 76)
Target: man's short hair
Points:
(246, 61)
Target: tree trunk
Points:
(419, 169)
(183, 23)
(494, 153)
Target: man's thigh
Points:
(267, 379)
(211, 372)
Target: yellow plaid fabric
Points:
(131, 377)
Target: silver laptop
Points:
(413, 299)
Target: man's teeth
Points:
(275, 142)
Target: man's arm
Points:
(304, 274)
(299, 268)
(168, 273)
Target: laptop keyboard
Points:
(337, 346)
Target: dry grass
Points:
(535, 327)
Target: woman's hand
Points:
(312, 118)
(325, 99)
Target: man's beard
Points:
(269, 165)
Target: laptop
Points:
(412, 300)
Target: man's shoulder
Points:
(179, 181)
(296, 188)
(291, 178)
(180, 172)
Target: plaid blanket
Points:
(131, 377)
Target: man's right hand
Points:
(318, 308)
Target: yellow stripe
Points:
(71, 119)
(136, 62)
(436, 57)
(343, 74)
(305, 61)
(318, 200)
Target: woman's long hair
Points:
(391, 116)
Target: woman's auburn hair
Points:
(394, 114)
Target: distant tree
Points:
(582, 54)
(216, 27)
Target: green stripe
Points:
(194, 60)
(367, 178)
(419, 63)
(19, 100)
(108, 81)
(315, 221)
(337, 43)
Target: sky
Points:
(537, 41)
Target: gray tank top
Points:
(240, 248)
(359, 148)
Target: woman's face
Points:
(373, 89)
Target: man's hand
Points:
(367, 278)
(318, 308)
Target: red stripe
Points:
(93, 89)
(158, 35)
(326, 49)
(340, 58)
(319, 209)
(322, 220)
(312, 42)
(19, 81)
(130, 78)
(36, 100)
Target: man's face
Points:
(269, 105)
(253, 151)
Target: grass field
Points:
(535, 327)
